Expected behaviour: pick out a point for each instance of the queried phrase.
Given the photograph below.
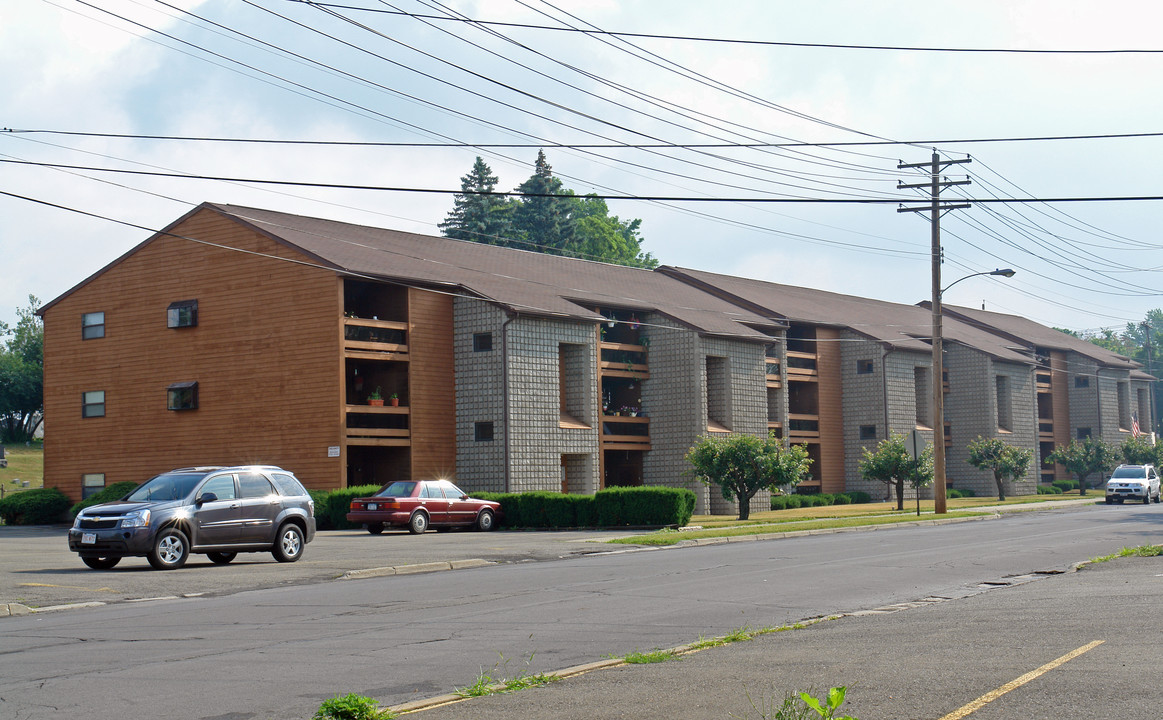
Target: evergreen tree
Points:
(542, 220)
(476, 215)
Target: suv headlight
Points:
(77, 520)
(137, 518)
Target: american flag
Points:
(1135, 431)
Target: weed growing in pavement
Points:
(800, 707)
(645, 658)
(1140, 551)
(495, 682)
(352, 707)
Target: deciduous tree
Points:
(893, 465)
(1005, 461)
(1083, 459)
(22, 375)
(742, 465)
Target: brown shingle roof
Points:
(526, 282)
(905, 327)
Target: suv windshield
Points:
(1129, 472)
(168, 486)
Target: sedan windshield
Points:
(169, 486)
(398, 489)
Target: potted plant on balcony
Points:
(394, 399)
(375, 399)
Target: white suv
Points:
(1133, 482)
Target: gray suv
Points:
(218, 511)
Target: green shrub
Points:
(332, 506)
(794, 501)
(966, 492)
(643, 506)
(1065, 485)
(352, 707)
(1049, 490)
(116, 491)
(858, 496)
(841, 499)
(40, 506)
(510, 506)
(953, 493)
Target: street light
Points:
(939, 506)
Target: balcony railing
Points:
(381, 426)
(375, 339)
(801, 364)
(803, 426)
(620, 432)
(624, 360)
(772, 371)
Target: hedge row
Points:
(40, 506)
(959, 493)
(332, 506)
(116, 491)
(1065, 485)
(612, 507)
(1049, 490)
(794, 501)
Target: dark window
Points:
(1083, 433)
(92, 325)
(431, 490)
(864, 367)
(483, 432)
(221, 485)
(182, 396)
(93, 404)
(482, 342)
(867, 432)
(1081, 381)
(91, 484)
(254, 485)
(288, 484)
(183, 313)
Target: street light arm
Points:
(1004, 273)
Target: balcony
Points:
(801, 366)
(375, 339)
(1043, 381)
(801, 425)
(773, 375)
(1045, 431)
(378, 426)
(624, 360)
(620, 432)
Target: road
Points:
(278, 652)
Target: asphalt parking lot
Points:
(37, 569)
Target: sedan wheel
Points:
(418, 524)
(170, 550)
(221, 558)
(101, 563)
(289, 544)
(375, 528)
(486, 521)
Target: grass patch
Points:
(495, 682)
(1140, 551)
(672, 537)
(647, 658)
(24, 464)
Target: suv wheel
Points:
(170, 550)
(289, 543)
(101, 563)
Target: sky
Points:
(812, 104)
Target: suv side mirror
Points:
(206, 497)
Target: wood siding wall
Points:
(432, 385)
(828, 365)
(265, 355)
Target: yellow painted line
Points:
(66, 587)
(1013, 684)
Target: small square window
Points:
(93, 404)
(483, 432)
(182, 396)
(183, 313)
(92, 325)
(864, 367)
(91, 484)
(482, 342)
(1083, 433)
(1081, 381)
(867, 432)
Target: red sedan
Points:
(418, 505)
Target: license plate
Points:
(89, 539)
(371, 506)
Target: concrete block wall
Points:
(1114, 427)
(747, 402)
(864, 404)
(479, 396)
(1084, 401)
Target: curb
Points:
(415, 569)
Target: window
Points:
(922, 396)
(482, 342)
(864, 367)
(221, 485)
(1081, 381)
(254, 485)
(1005, 419)
(1123, 396)
(93, 404)
(1083, 433)
(91, 484)
(182, 396)
(92, 325)
(867, 432)
(288, 484)
(483, 432)
(183, 313)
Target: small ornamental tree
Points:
(1083, 459)
(1137, 451)
(1005, 461)
(893, 465)
(742, 465)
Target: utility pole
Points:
(936, 209)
